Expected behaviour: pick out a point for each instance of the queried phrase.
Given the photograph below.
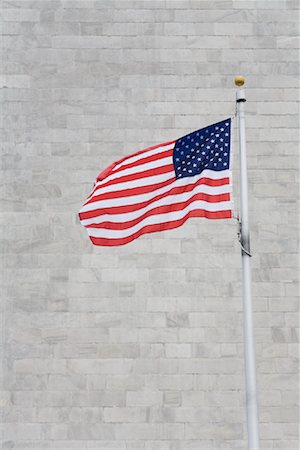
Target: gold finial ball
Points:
(239, 80)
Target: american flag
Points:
(160, 187)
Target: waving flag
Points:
(160, 187)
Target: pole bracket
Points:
(239, 234)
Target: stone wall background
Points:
(140, 347)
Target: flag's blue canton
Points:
(208, 148)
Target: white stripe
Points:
(132, 199)
(160, 218)
(137, 169)
(129, 185)
(169, 199)
(144, 155)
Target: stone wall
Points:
(141, 347)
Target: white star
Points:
(208, 147)
(225, 154)
(226, 134)
(197, 143)
(222, 129)
(224, 164)
(226, 124)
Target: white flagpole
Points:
(249, 350)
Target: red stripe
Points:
(136, 206)
(227, 214)
(162, 210)
(110, 169)
(145, 160)
(130, 192)
(138, 175)
(153, 147)
(150, 188)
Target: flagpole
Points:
(249, 350)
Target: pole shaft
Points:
(249, 345)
